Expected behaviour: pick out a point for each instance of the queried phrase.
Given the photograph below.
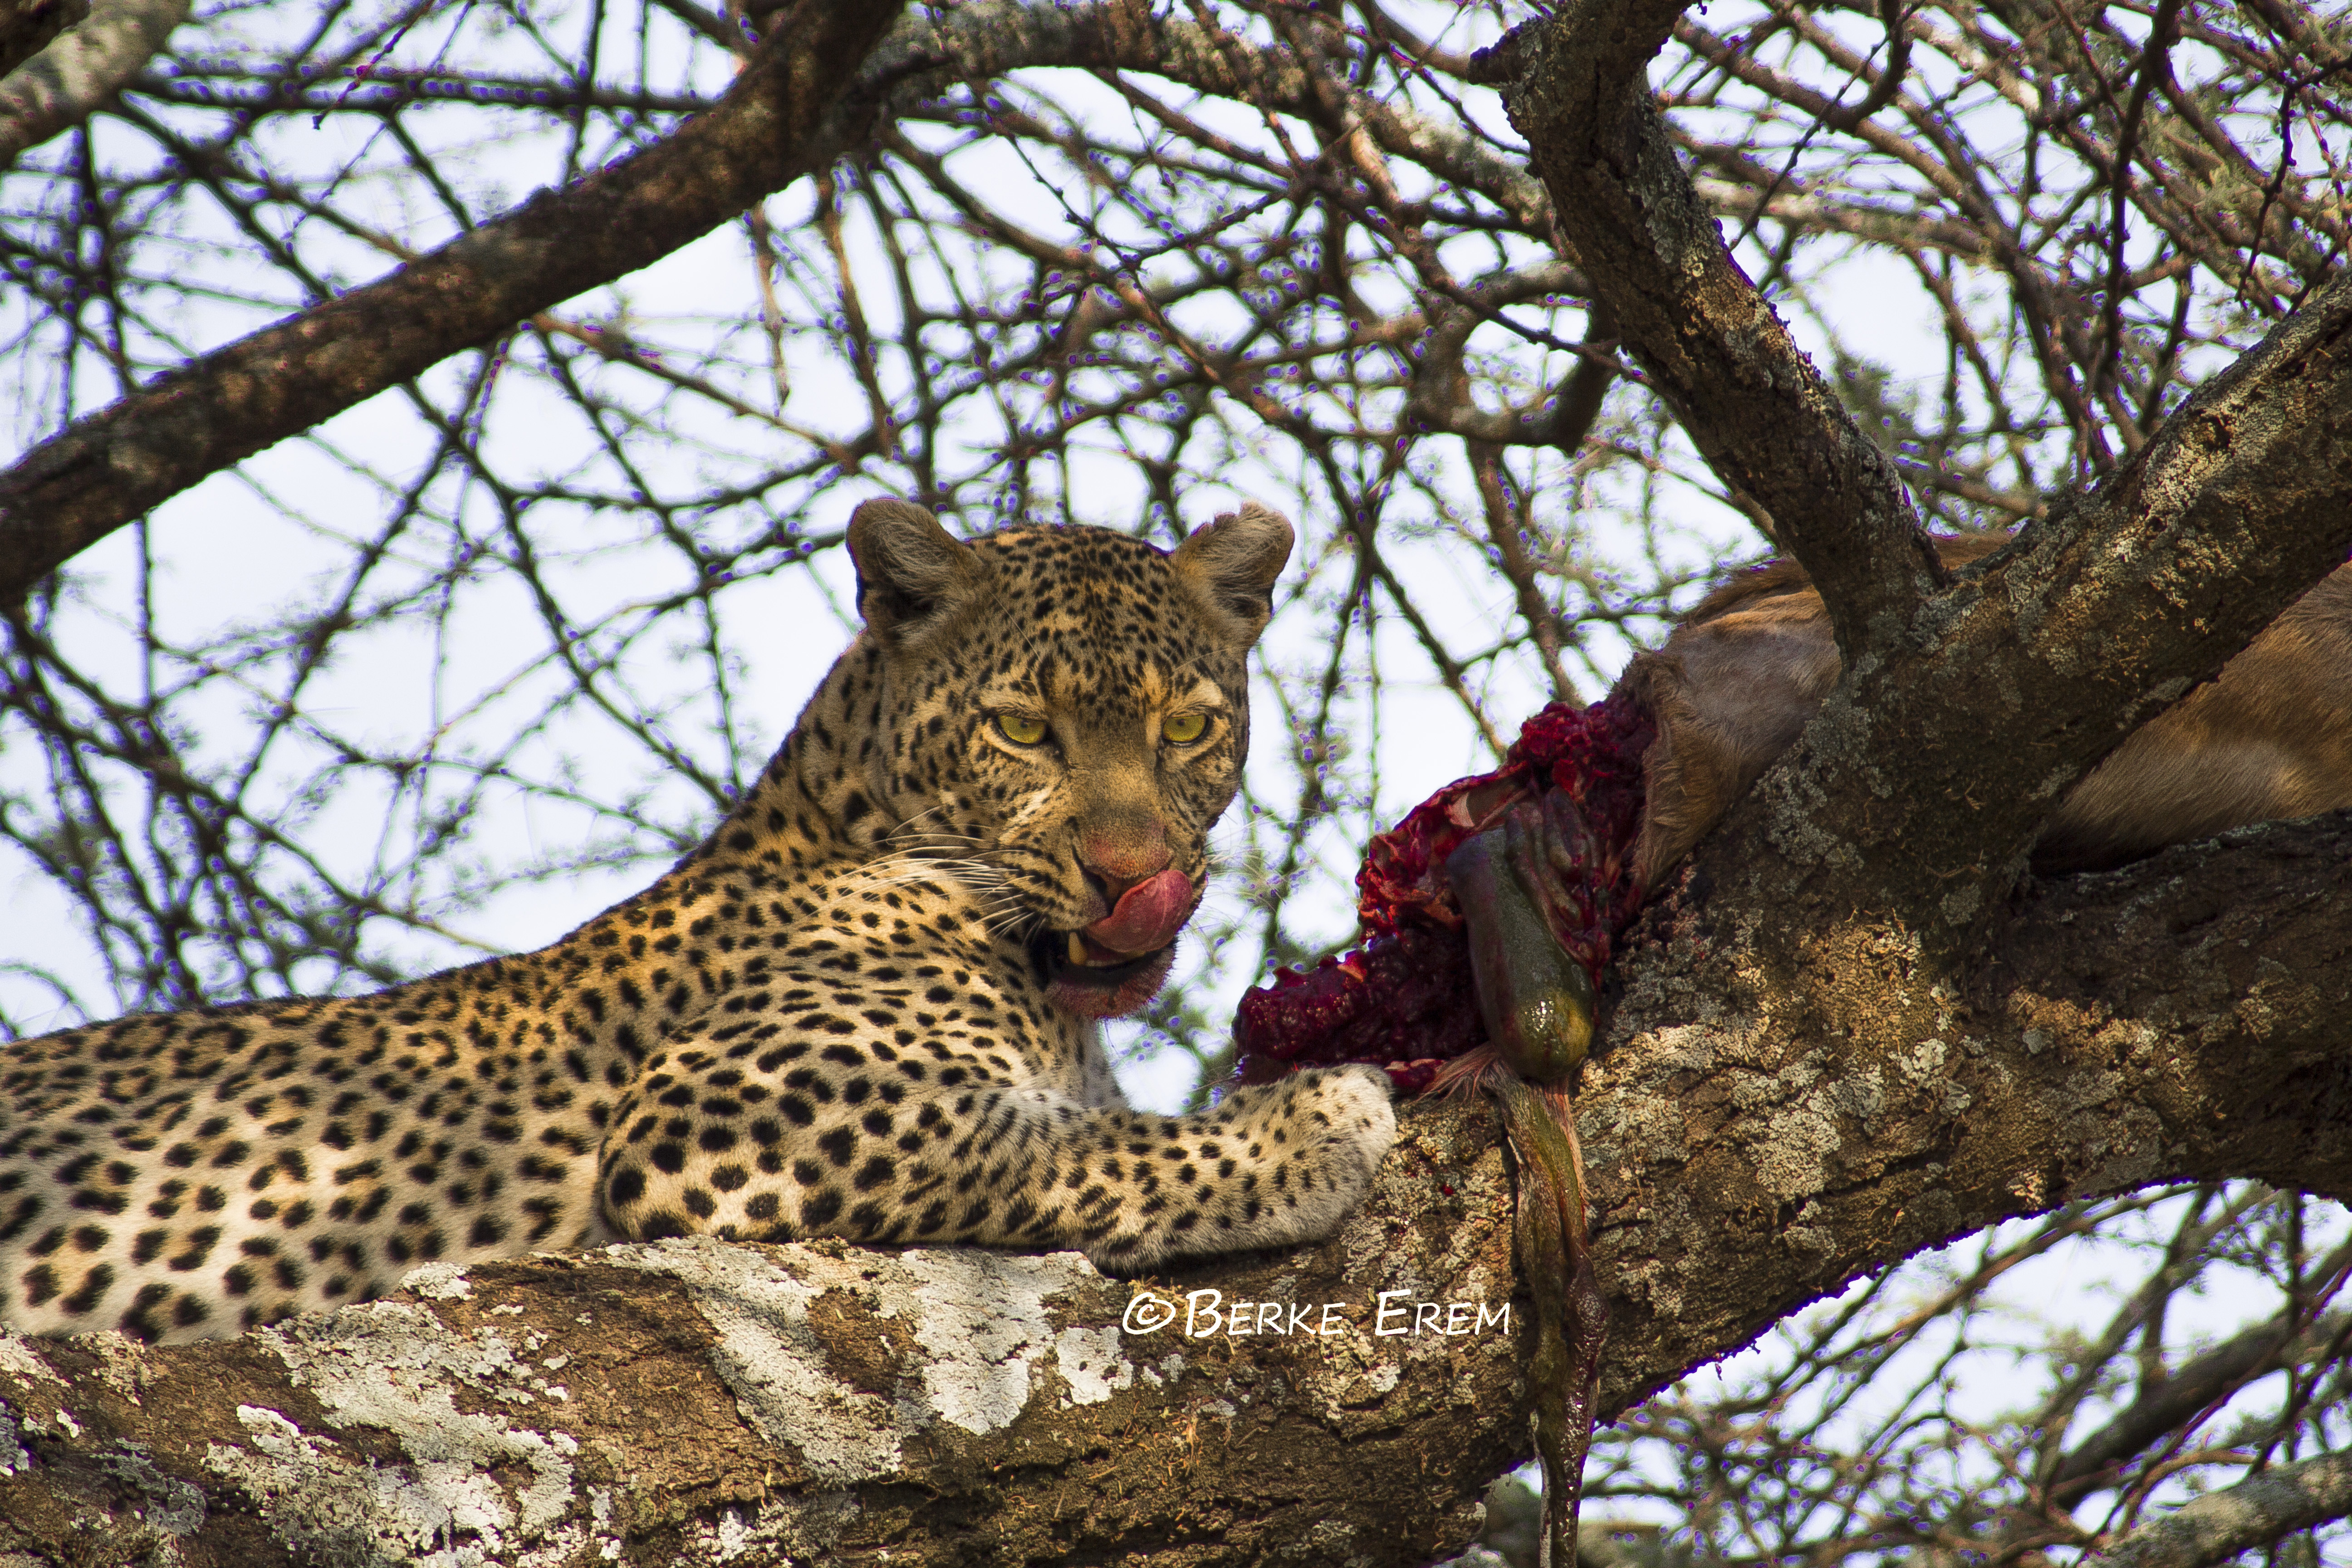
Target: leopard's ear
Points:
(1234, 561)
(911, 572)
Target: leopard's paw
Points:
(1275, 1165)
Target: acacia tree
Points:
(1504, 331)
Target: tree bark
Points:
(2251, 1515)
(27, 26)
(695, 1402)
(110, 42)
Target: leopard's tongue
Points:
(1148, 917)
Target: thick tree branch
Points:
(2255, 1512)
(787, 114)
(82, 69)
(1576, 87)
(693, 1402)
(1752, 1142)
(1923, 782)
(27, 26)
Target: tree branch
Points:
(2210, 1378)
(2255, 1512)
(1575, 85)
(787, 113)
(1752, 1143)
(82, 69)
(27, 26)
(104, 471)
(693, 1402)
(1896, 802)
(1921, 785)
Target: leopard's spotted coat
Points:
(854, 1011)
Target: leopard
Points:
(2268, 739)
(869, 1007)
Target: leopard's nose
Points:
(1118, 861)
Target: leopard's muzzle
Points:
(1114, 966)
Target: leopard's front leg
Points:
(906, 1149)
(1272, 1166)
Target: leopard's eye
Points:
(1019, 729)
(1183, 729)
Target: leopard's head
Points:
(1066, 711)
